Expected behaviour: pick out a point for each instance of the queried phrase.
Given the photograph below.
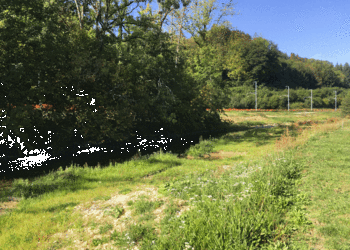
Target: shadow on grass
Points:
(25, 189)
(53, 208)
(166, 164)
(74, 179)
(260, 136)
(62, 207)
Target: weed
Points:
(102, 198)
(201, 149)
(146, 217)
(116, 212)
(143, 206)
(137, 232)
(105, 228)
(93, 225)
(96, 242)
(125, 191)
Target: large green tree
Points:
(55, 43)
(33, 51)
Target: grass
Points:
(326, 181)
(239, 191)
(264, 118)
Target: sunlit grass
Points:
(257, 118)
(326, 182)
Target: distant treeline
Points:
(272, 98)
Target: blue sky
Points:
(312, 29)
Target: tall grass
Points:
(288, 141)
(244, 209)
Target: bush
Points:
(202, 148)
(345, 105)
(297, 105)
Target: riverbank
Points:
(165, 202)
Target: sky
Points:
(312, 29)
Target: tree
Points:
(198, 24)
(72, 57)
(346, 71)
(33, 45)
(200, 63)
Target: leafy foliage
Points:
(201, 149)
(128, 80)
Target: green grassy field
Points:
(259, 118)
(326, 181)
(284, 187)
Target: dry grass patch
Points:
(223, 154)
(288, 142)
(239, 119)
(219, 155)
(114, 214)
(7, 206)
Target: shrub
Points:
(297, 105)
(200, 149)
(345, 106)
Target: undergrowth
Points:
(244, 209)
(202, 148)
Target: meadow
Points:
(279, 187)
